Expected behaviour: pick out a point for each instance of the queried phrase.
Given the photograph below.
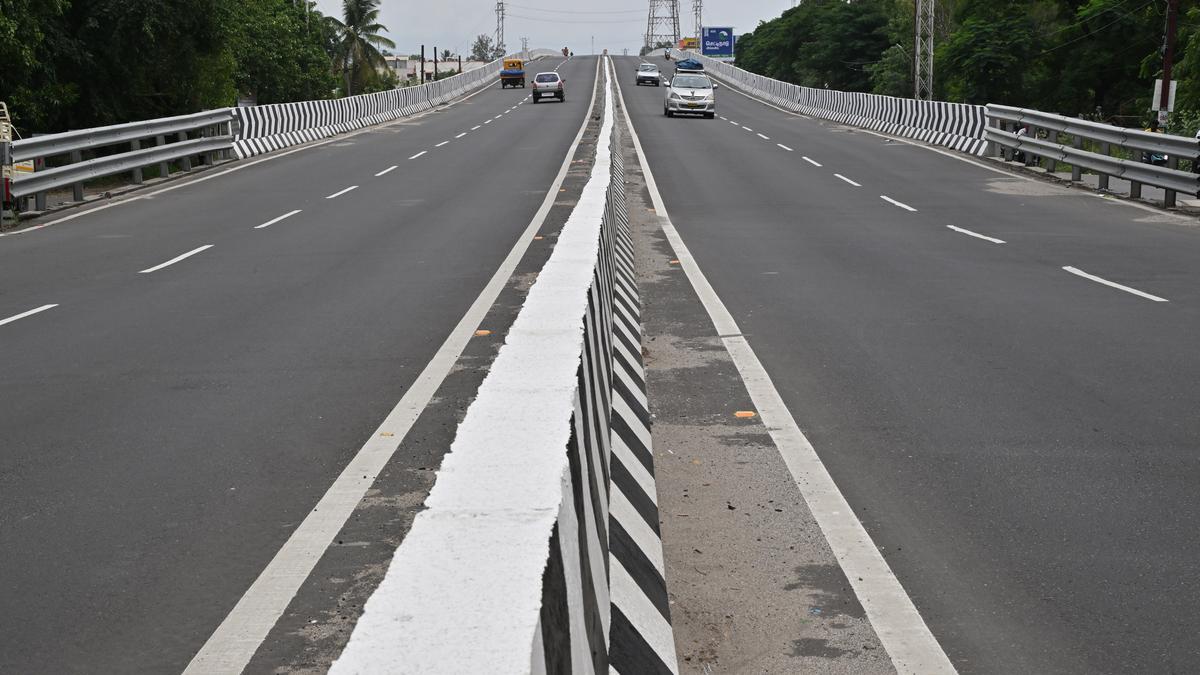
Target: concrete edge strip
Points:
(900, 627)
(235, 641)
(465, 589)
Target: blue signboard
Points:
(717, 43)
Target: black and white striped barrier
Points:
(273, 127)
(539, 550)
(954, 125)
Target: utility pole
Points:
(421, 75)
(923, 66)
(525, 48)
(500, 48)
(698, 15)
(1164, 100)
(435, 62)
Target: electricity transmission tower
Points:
(698, 13)
(663, 23)
(923, 70)
(500, 28)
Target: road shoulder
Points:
(754, 586)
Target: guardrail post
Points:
(77, 188)
(136, 145)
(1030, 158)
(1106, 150)
(39, 201)
(185, 162)
(1135, 189)
(1169, 195)
(164, 168)
(1076, 170)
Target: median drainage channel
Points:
(603, 506)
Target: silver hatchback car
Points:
(691, 93)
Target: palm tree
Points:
(359, 41)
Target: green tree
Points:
(482, 49)
(360, 61)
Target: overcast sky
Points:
(553, 24)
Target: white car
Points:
(648, 73)
(548, 85)
(691, 93)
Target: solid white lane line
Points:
(976, 235)
(419, 154)
(243, 630)
(22, 315)
(386, 171)
(276, 220)
(339, 193)
(763, 137)
(1106, 282)
(176, 259)
(441, 144)
(785, 147)
(461, 135)
(847, 180)
(902, 205)
(477, 127)
(896, 621)
(812, 161)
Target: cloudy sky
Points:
(615, 24)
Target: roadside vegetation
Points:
(72, 64)
(1097, 58)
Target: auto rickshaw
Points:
(513, 74)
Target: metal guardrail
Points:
(204, 136)
(1004, 140)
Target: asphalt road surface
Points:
(170, 420)
(1019, 439)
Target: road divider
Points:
(539, 549)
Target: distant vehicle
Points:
(648, 73)
(548, 85)
(513, 74)
(691, 93)
(689, 66)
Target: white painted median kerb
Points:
(463, 592)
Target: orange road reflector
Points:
(387, 433)
(538, 238)
(482, 332)
(745, 414)
(674, 262)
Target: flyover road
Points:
(163, 429)
(1020, 441)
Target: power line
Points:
(585, 21)
(578, 11)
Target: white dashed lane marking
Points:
(276, 220)
(976, 235)
(902, 205)
(386, 171)
(339, 193)
(419, 154)
(22, 315)
(812, 161)
(1112, 284)
(840, 176)
(176, 259)
(785, 147)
